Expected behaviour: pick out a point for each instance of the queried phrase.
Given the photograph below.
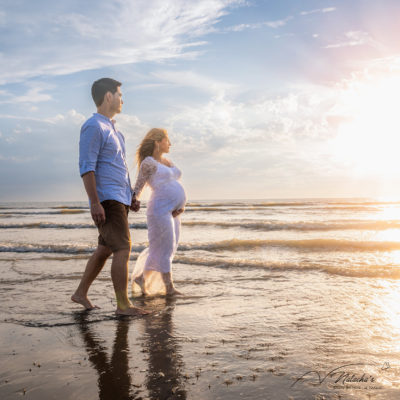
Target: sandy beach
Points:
(220, 341)
(303, 312)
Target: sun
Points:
(369, 138)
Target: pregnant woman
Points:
(152, 273)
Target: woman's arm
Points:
(147, 169)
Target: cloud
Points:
(226, 128)
(354, 38)
(71, 117)
(318, 11)
(133, 130)
(41, 154)
(33, 95)
(61, 38)
(269, 140)
(38, 129)
(270, 24)
(194, 80)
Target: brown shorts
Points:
(114, 233)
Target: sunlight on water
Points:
(390, 212)
(389, 305)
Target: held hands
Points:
(175, 213)
(135, 204)
(98, 214)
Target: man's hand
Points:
(175, 213)
(98, 214)
(135, 204)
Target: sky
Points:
(262, 99)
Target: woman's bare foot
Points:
(83, 301)
(139, 280)
(132, 311)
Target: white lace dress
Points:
(167, 195)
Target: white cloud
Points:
(33, 95)
(318, 10)
(271, 141)
(194, 80)
(278, 23)
(71, 116)
(64, 39)
(227, 127)
(354, 38)
(271, 24)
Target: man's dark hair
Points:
(101, 87)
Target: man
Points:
(105, 175)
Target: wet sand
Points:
(126, 358)
(237, 334)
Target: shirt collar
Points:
(101, 116)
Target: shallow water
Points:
(273, 290)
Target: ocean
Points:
(356, 238)
(272, 289)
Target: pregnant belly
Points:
(167, 198)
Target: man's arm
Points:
(96, 209)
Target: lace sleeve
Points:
(147, 168)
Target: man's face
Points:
(116, 101)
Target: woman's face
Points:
(164, 145)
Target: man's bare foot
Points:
(174, 292)
(132, 311)
(84, 301)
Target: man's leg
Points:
(93, 267)
(119, 275)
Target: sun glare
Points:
(369, 139)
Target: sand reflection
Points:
(114, 379)
(164, 378)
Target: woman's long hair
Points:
(146, 147)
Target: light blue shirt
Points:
(102, 150)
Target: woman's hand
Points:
(135, 204)
(175, 213)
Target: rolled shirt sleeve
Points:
(102, 150)
(89, 148)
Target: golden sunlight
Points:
(369, 139)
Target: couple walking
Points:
(105, 175)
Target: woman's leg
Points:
(167, 277)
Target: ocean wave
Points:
(327, 208)
(301, 225)
(69, 207)
(63, 211)
(310, 245)
(320, 245)
(49, 225)
(52, 248)
(367, 271)
(258, 225)
(295, 203)
(254, 204)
